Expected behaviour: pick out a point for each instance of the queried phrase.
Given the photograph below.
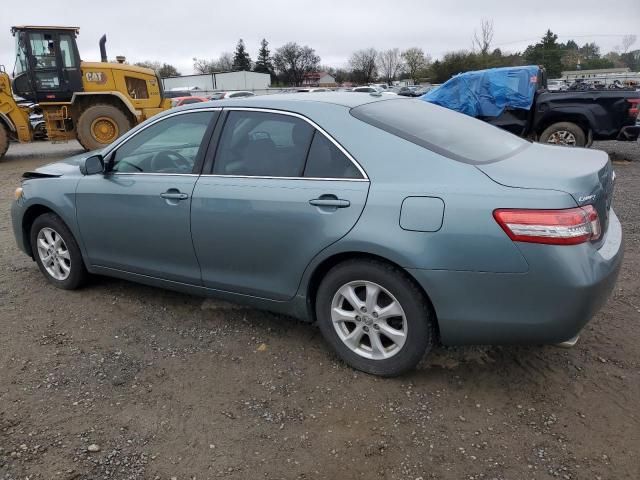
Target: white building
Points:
(210, 82)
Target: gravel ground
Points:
(122, 381)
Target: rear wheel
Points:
(564, 133)
(4, 140)
(100, 125)
(57, 253)
(374, 317)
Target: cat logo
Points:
(96, 77)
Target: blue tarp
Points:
(486, 93)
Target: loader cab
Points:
(47, 66)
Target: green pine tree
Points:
(263, 62)
(241, 59)
(548, 53)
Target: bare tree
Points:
(202, 65)
(293, 61)
(390, 64)
(363, 64)
(482, 41)
(223, 64)
(416, 62)
(627, 41)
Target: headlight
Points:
(18, 193)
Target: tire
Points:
(77, 273)
(417, 323)
(4, 140)
(101, 124)
(564, 133)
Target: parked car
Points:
(557, 86)
(373, 89)
(176, 93)
(311, 90)
(516, 99)
(367, 89)
(231, 94)
(391, 222)
(414, 91)
(179, 101)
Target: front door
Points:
(136, 218)
(280, 192)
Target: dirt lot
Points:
(171, 386)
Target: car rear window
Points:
(441, 130)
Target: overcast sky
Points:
(175, 32)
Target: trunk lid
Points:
(586, 175)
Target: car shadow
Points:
(504, 367)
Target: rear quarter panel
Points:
(469, 239)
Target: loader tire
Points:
(101, 124)
(4, 140)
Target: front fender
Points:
(54, 194)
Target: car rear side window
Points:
(325, 160)
(263, 144)
(452, 134)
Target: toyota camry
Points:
(390, 222)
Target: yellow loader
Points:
(94, 102)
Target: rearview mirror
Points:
(92, 165)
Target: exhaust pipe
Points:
(103, 50)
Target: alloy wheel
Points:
(369, 320)
(562, 137)
(54, 254)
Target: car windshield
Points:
(441, 130)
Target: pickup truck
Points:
(516, 99)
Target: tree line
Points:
(290, 63)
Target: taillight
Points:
(635, 104)
(557, 227)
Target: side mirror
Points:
(92, 165)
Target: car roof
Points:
(297, 101)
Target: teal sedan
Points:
(390, 222)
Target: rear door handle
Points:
(330, 202)
(174, 195)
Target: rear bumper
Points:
(564, 287)
(629, 133)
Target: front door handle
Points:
(174, 195)
(330, 201)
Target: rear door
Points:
(279, 192)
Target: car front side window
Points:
(168, 146)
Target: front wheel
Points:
(57, 253)
(375, 318)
